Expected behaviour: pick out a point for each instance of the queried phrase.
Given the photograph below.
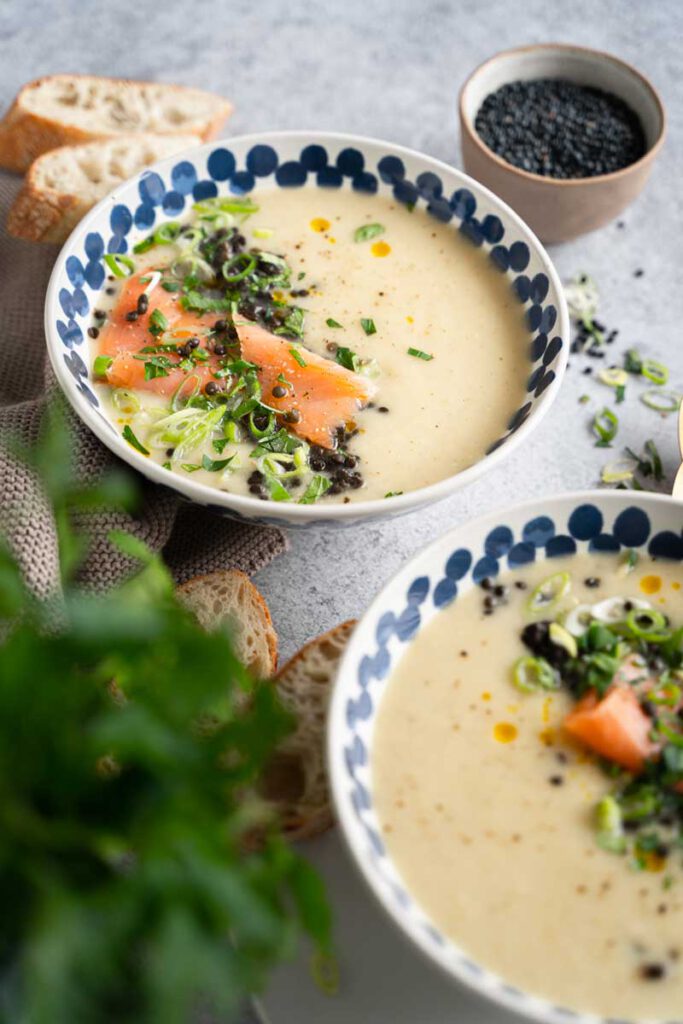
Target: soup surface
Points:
(395, 353)
(560, 872)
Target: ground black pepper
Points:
(560, 129)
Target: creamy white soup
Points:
(528, 775)
(310, 345)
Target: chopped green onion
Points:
(132, 440)
(298, 357)
(620, 393)
(265, 431)
(226, 204)
(419, 354)
(318, 486)
(171, 286)
(613, 377)
(263, 232)
(561, 637)
(125, 401)
(616, 473)
(647, 624)
(101, 365)
(393, 494)
(605, 426)
(190, 467)
(232, 432)
(368, 231)
(120, 265)
(368, 325)
(533, 674)
(609, 825)
(333, 323)
(549, 592)
(583, 399)
(655, 371)
(215, 465)
(144, 246)
(325, 973)
(247, 262)
(661, 401)
(633, 362)
(283, 380)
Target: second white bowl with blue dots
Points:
(303, 328)
(506, 756)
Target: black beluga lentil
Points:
(560, 129)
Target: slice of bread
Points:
(228, 598)
(62, 185)
(67, 109)
(295, 783)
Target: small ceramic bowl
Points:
(566, 525)
(560, 209)
(291, 160)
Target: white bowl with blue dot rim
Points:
(248, 164)
(429, 583)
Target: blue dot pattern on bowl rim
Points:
(586, 527)
(190, 181)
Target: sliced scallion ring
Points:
(549, 592)
(648, 624)
(655, 371)
(561, 637)
(614, 609)
(578, 619)
(661, 401)
(101, 365)
(617, 473)
(613, 377)
(605, 425)
(530, 675)
(120, 265)
(240, 259)
(609, 825)
(125, 401)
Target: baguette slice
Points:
(228, 598)
(295, 783)
(68, 109)
(62, 185)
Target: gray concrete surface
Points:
(392, 69)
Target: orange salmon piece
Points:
(325, 394)
(120, 338)
(615, 727)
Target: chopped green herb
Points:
(298, 357)
(368, 325)
(129, 436)
(190, 467)
(101, 365)
(583, 399)
(393, 494)
(157, 323)
(157, 366)
(419, 354)
(215, 465)
(633, 362)
(346, 358)
(333, 323)
(283, 380)
(318, 486)
(293, 326)
(368, 231)
(171, 286)
(301, 275)
(620, 392)
(219, 445)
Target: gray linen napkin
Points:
(192, 540)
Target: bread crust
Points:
(209, 580)
(304, 821)
(41, 213)
(25, 135)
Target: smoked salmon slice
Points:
(323, 394)
(320, 397)
(615, 727)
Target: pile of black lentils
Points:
(560, 129)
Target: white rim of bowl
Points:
(527, 1004)
(254, 507)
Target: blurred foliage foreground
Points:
(128, 753)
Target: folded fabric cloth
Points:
(191, 539)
